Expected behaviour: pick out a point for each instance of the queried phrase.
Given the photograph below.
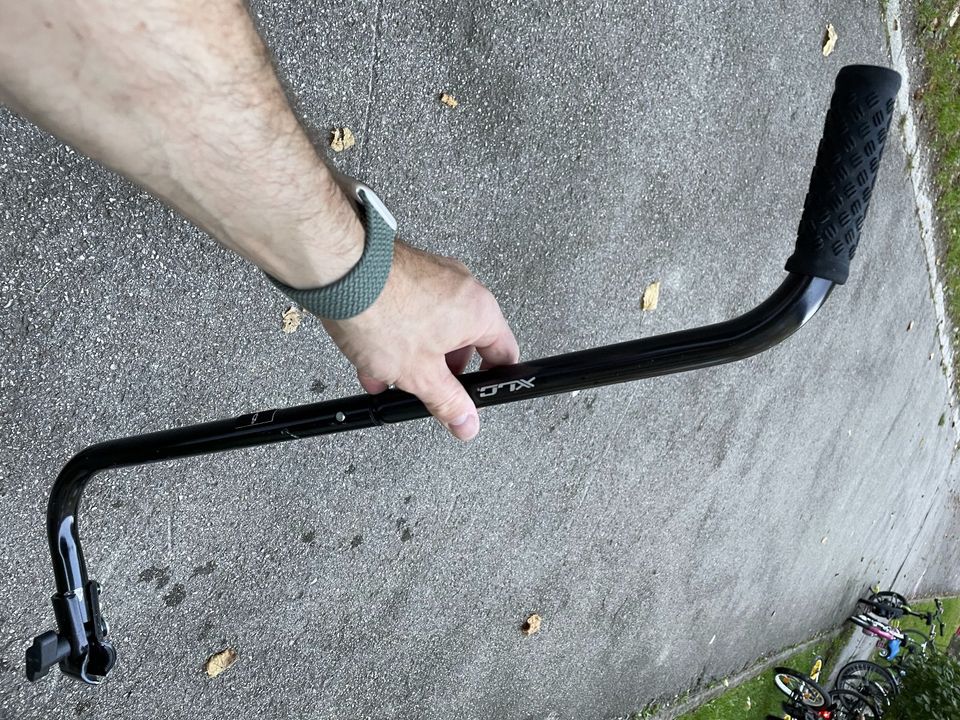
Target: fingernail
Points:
(465, 426)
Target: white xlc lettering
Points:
(509, 386)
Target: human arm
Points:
(181, 97)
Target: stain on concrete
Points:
(176, 595)
(155, 573)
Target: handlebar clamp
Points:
(80, 647)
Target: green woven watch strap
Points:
(359, 288)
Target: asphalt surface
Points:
(668, 532)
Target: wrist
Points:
(319, 257)
(318, 251)
(360, 287)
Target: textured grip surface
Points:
(847, 163)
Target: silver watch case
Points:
(362, 196)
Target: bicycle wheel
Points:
(852, 705)
(916, 641)
(800, 688)
(888, 604)
(874, 681)
(888, 597)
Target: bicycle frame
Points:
(834, 210)
(876, 628)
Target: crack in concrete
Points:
(371, 83)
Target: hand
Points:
(422, 331)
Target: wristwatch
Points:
(362, 285)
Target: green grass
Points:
(940, 98)
(758, 696)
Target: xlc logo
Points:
(509, 386)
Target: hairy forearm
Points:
(180, 97)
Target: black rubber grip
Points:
(847, 162)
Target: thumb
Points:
(449, 402)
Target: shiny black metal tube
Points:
(785, 311)
(80, 645)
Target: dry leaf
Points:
(651, 296)
(749, 702)
(829, 39)
(290, 320)
(954, 16)
(218, 662)
(343, 138)
(726, 683)
(532, 625)
(910, 326)
(449, 100)
(823, 540)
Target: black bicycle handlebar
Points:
(836, 204)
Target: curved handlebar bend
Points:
(846, 169)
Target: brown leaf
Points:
(290, 320)
(343, 138)
(651, 296)
(449, 100)
(829, 39)
(218, 662)
(532, 625)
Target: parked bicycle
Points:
(808, 700)
(879, 684)
(890, 605)
(885, 609)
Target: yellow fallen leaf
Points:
(290, 320)
(651, 296)
(449, 100)
(218, 662)
(532, 625)
(343, 138)
(829, 40)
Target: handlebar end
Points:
(848, 160)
